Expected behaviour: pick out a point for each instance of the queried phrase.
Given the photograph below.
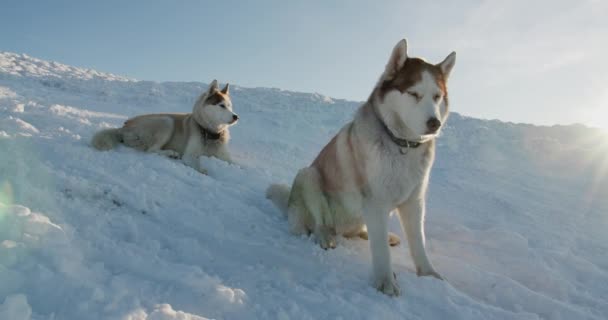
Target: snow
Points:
(15, 307)
(517, 214)
(23, 65)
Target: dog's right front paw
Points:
(325, 238)
(327, 242)
(388, 285)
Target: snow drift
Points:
(517, 214)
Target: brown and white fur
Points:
(188, 136)
(377, 163)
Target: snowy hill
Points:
(516, 222)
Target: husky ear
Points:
(447, 64)
(397, 58)
(226, 89)
(212, 86)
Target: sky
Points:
(541, 62)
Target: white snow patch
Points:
(68, 111)
(19, 126)
(19, 108)
(15, 307)
(6, 93)
(26, 66)
(162, 312)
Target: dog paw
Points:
(170, 153)
(388, 285)
(325, 238)
(327, 242)
(426, 273)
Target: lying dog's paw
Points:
(169, 153)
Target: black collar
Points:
(210, 135)
(403, 143)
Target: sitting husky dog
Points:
(379, 162)
(204, 132)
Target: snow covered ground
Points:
(517, 219)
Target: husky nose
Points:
(235, 117)
(433, 125)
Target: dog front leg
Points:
(224, 155)
(193, 161)
(411, 214)
(377, 229)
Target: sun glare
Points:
(602, 126)
(604, 133)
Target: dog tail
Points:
(106, 139)
(279, 195)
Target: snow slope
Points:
(517, 214)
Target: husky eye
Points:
(223, 106)
(436, 97)
(414, 95)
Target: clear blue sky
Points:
(526, 61)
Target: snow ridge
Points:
(25, 66)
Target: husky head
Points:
(411, 97)
(213, 109)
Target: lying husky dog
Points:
(204, 132)
(379, 162)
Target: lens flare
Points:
(598, 162)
